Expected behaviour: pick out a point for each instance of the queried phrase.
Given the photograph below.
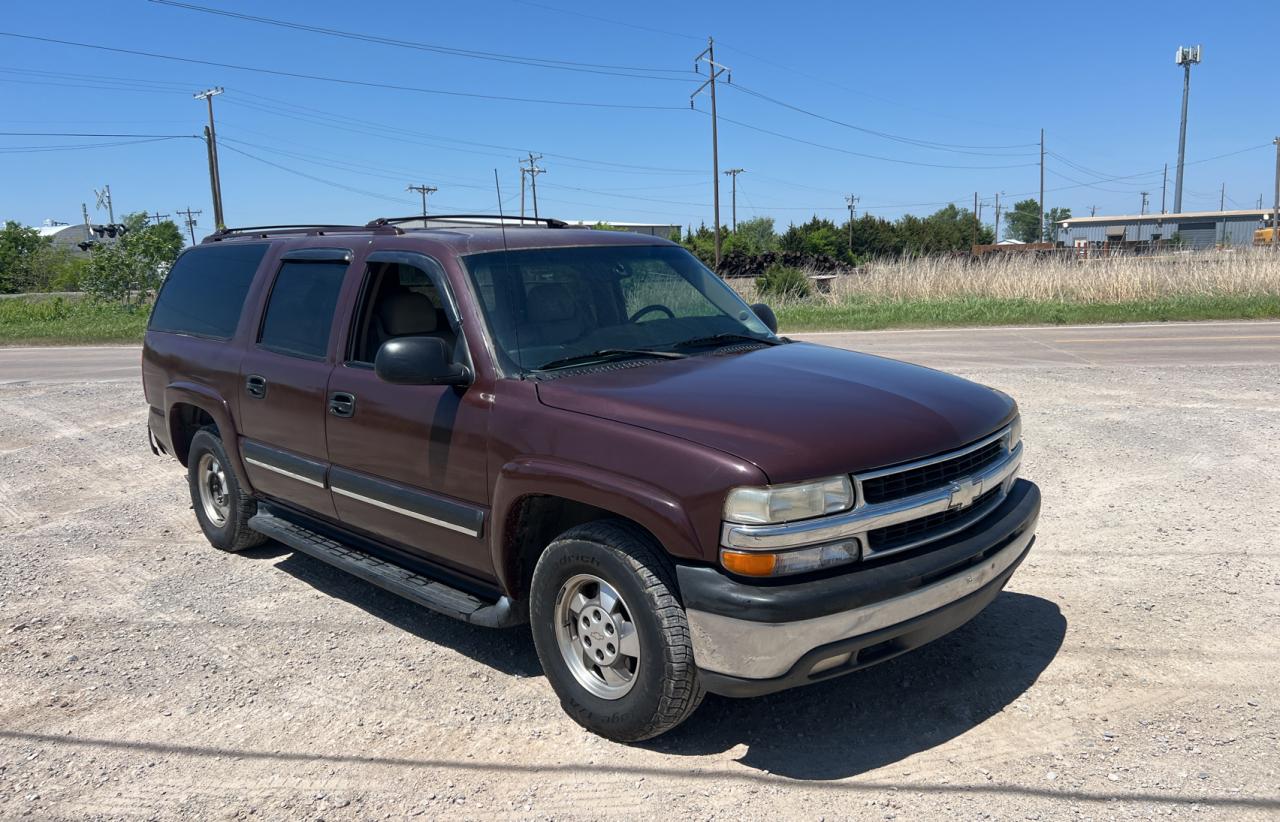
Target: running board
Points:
(414, 587)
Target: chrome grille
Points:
(930, 527)
(934, 475)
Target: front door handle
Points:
(256, 386)
(342, 404)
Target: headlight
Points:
(784, 503)
(1015, 432)
(794, 561)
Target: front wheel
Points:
(611, 634)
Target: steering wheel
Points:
(648, 309)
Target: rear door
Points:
(409, 461)
(284, 377)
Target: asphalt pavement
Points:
(1145, 344)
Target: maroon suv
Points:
(588, 431)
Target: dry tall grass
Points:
(1238, 272)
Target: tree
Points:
(1052, 218)
(132, 268)
(1026, 223)
(818, 237)
(752, 237)
(1022, 223)
(19, 247)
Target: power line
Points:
(859, 153)
(364, 126)
(341, 80)
(538, 62)
(959, 149)
(86, 146)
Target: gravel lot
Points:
(1130, 671)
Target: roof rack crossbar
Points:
(300, 228)
(549, 222)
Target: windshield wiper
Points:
(608, 354)
(727, 336)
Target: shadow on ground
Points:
(829, 730)
(886, 713)
(509, 652)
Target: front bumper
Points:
(751, 639)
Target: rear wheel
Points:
(222, 506)
(611, 633)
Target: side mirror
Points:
(766, 315)
(419, 361)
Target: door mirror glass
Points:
(419, 361)
(766, 316)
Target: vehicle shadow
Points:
(508, 651)
(870, 718)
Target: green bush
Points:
(783, 282)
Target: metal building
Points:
(1195, 229)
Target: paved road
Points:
(1210, 343)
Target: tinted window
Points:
(300, 312)
(205, 291)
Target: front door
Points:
(408, 461)
(284, 379)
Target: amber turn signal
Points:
(748, 563)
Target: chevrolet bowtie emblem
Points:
(963, 493)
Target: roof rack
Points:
(309, 229)
(471, 219)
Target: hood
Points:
(797, 411)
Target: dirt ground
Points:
(1129, 671)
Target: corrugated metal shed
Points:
(1195, 228)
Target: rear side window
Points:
(300, 313)
(205, 291)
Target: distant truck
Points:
(1264, 236)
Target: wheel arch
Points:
(537, 499)
(190, 407)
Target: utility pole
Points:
(190, 222)
(708, 56)
(104, 201)
(157, 217)
(533, 171)
(424, 190)
(733, 173)
(1187, 57)
(998, 216)
(851, 200)
(1141, 212)
(1144, 203)
(1043, 212)
(1093, 211)
(88, 227)
(211, 139)
(1275, 211)
(1164, 185)
(1222, 206)
(975, 218)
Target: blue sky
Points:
(957, 92)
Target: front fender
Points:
(649, 506)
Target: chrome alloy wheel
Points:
(214, 496)
(596, 636)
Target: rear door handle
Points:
(342, 404)
(256, 386)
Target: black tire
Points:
(233, 534)
(666, 688)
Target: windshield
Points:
(550, 307)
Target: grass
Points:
(850, 315)
(68, 321)
(943, 291)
